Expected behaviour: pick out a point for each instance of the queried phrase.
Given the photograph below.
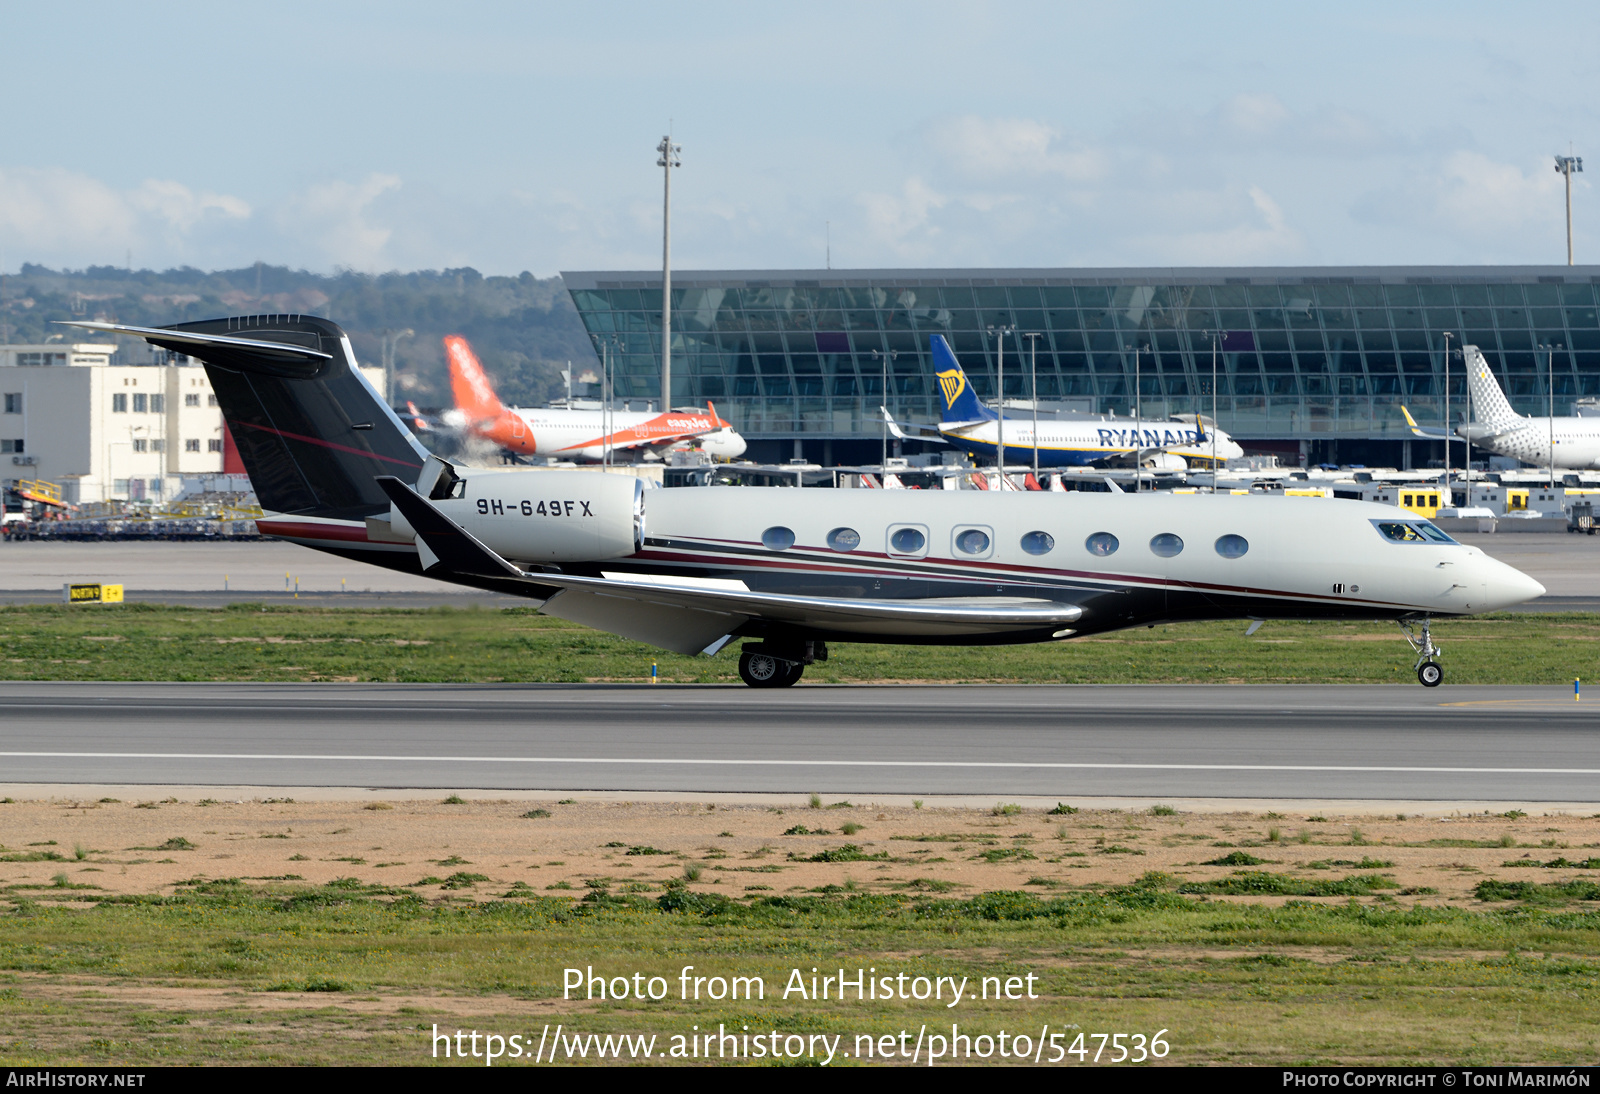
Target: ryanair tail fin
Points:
(474, 397)
(961, 403)
(1489, 404)
(313, 434)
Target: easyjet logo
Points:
(688, 423)
(952, 383)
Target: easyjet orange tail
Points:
(468, 384)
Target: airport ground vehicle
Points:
(791, 571)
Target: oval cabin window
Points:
(1101, 544)
(1038, 543)
(1231, 546)
(1166, 545)
(972, 542)
(844, 539)
(907, 541)
(777, 539)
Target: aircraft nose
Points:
(1504, 586)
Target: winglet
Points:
(894, 430)
(443, 542)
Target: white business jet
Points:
(792, 570)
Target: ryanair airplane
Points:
(791, 571)
(1170, 444)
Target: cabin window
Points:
(1231, 546)
(777, 538)
(1417, 531)
(1166, 544)
(972, 541)
(1101, 544)
(844, 539)
(907, 541)
(1038, 543)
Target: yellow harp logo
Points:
(952, 383)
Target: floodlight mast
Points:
(1000, 333)
(669, 160)
(1444, 487)
(1216, 339)
(1569, 166)
(1033, 379)
(885, 356)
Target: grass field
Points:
(1276, 938)
(339, 974)
(257, 643)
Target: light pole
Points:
(391, 339)
(1444, 486)
(1033, 379)
(1000, 331)
(885, 356)
(1569, 166)
(669, 160)
(607, 346)
(1216, 342)
(1550, 379)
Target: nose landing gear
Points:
(1429, 673)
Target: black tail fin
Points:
(311, 431)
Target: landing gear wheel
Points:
(1430, 674)
(762, 670)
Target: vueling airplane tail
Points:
(311, 431)
(961, 403)
(1489, 405)
(474, 397)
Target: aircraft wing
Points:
(912, 431)
(1423, 431)
(690, 617)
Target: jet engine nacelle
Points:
(541, 516)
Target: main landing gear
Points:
(769, 665)
(1429, 672)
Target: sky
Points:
(512, 137)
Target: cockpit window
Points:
(1411, 531)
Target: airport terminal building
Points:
(1310, 363)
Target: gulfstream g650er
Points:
(789, 570)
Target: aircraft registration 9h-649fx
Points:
(792, 570)
(584, 435)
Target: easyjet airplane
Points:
(579, 434)
(791, 571)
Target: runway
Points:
(1395, 742)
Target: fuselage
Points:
(1076, 444)
(1128, 560)
(1577, 441)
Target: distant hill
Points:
(524, 328)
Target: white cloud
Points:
(1471, 197)
(1013, 147)
(181, 208)
(1261, 234)
(335, 218)
(63, 217)
(903, 221)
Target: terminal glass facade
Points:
(1319, 353)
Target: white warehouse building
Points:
(104, 431)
